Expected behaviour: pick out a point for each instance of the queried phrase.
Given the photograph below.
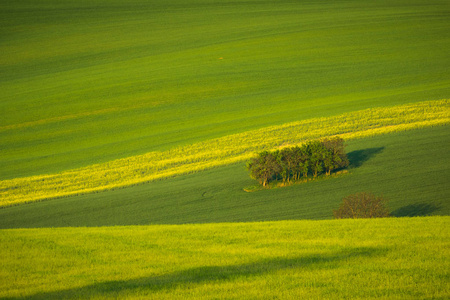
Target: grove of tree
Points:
(294, 163)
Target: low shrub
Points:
(362, 205)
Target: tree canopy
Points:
(294, 163)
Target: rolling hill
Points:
(409, 168)
(89, 82)
(125, 126)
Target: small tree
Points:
(317, 153)
(264, 167)
(283, 161)
(328, 162)
(336, 156)
(290, 161)
(300, 157)
(362, 205)
(304, 161)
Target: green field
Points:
(403, 258)
(89, 82)
(125, 127)
(409, 168)
(226, 150)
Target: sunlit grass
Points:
(221, 151)
(361, 259)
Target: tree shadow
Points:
(358, 157)
(415, 210)
(201, 275)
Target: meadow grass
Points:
(409, 168)
(90, 82)
(393, 258)
(217, 152)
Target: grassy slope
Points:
(410, 168)
(88, 82)
(218, 152)
(338, 259)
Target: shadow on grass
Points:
(359, 157)
(415, 210)
(201, 275)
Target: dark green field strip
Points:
(90, 82)
(409, 168)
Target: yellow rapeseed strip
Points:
(221, 151)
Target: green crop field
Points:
(404, 258)
(409, 168)
(123, 123)
(212, 153)
(89, 82)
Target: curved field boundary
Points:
(221, 151)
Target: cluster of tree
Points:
(293, 163)
(362, 205)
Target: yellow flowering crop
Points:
(221, 151)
